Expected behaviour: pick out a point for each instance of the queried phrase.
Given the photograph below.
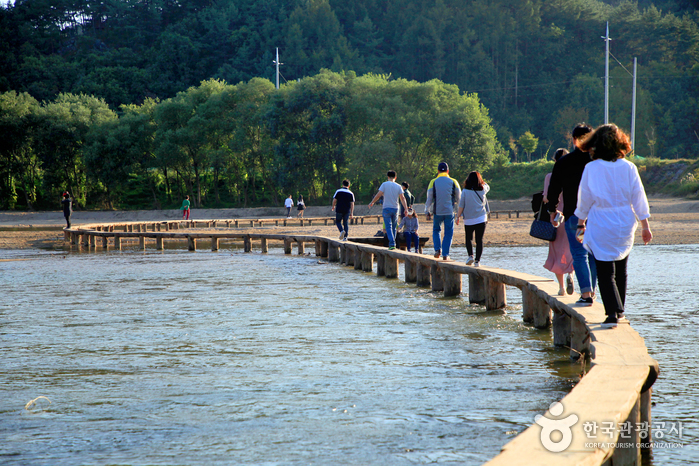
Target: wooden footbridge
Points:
(616, 388)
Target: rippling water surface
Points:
(221, 358)
(231, 358)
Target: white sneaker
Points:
(477, 264)
(470, 260)
(342, 236)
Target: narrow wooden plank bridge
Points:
(616, 388)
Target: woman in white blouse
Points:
(610, 198)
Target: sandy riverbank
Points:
(673, 221)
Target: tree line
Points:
(537, 65)
(247, 144)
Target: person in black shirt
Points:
(343, 205)
(67, 204)
(565, 177)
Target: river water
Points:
(231, 358)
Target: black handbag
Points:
(542, 229)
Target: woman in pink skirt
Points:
(560, 260)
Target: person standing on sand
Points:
(610, 198)
(565, 178)
(67, 204)
(559, 260)
(343, 205)
(185, 208)
(443, 193)
(392, 194)
(289, 203)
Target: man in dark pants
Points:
(67, 204)
(565, 177)
(343, 205)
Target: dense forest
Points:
(108, 99)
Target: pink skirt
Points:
(560, 260)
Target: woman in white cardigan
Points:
(610, 198)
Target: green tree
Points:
(529, 143)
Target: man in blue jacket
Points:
(443, 194)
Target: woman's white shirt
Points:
(610, 197)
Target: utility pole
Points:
(276, 62)
(633, 109)
(606, 77)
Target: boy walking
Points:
(392, 194)
(343, 205)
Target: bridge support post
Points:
(410, 269)
(142, 242)
(247, 244)
(423, 275)
(452, 282)
(495, 297)
(301, 247)
(579, 339)
(561, 329)
(476, 289)
(437, 279)
(93, 241)
(105, 242)
(628, 453)
(333, 252)
(391, 267)
(358, 256)
(66, 235)
(645, 409)
(117, 243)
(191, 243)
(536, 309)
(214, 243)
(287, 246)
(264, 245)
(323, 248)
(367, 261)
(349, 256)
(159, 243)
(380, 265)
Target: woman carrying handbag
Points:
(559, 260)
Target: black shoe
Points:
(610, 322)
(570, 288)
(584, 301)
(379, 234)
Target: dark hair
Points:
(391, 174)
(405, 185)
(607, 142)
(474, 181)
(345, 183)
(300, 197)
(186, 197)
(581, 130)
(559, 153)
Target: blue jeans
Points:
(444, 245)
(583, 262)
(390, 219)
(412, 237)
(341, 222)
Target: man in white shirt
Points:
(393, 197)
(289, 203)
